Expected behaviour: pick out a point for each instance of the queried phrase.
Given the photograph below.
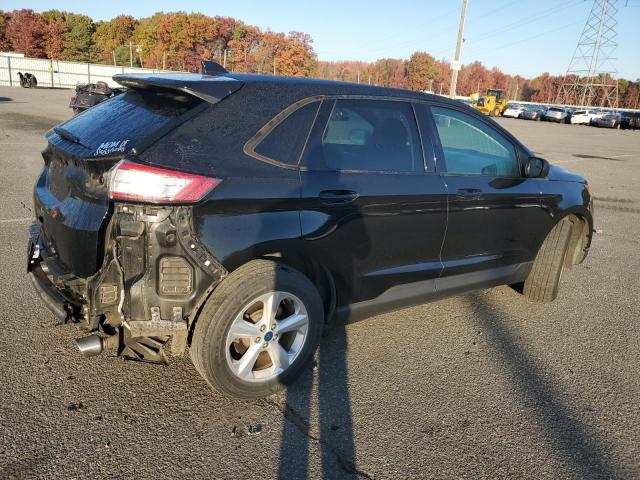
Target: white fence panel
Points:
(4, 71)
(60, 74)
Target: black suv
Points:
(237, 215)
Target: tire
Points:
(543, 282)
(215, 358)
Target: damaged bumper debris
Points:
(154, 276)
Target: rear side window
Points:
(471, 147)
(285, 142)
(368, 135)
(126, 121)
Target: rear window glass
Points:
(285, 142)
(126, 121)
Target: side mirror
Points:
(536, 167)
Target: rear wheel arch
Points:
(316, 271)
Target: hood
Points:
(560, 174)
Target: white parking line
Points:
(17, 220)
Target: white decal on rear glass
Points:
(107, 148)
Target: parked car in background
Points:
(582, 117)
(555, 114)
(630, 120)
(598, 113)
(569, 113)
(513, 111)
(533, 112)
(611, 120)
(236, 216)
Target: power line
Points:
(527, 20)
(526, 39)
(434, 34)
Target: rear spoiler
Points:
(212, 85)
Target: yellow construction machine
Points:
(493, 103)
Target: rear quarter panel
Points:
(248, 218)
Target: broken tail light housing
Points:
(144, 183)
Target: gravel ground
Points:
(483, 385)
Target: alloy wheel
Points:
(266, 336)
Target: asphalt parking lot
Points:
(484, 385)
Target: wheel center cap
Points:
(268, 336)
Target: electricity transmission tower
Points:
(591, 76)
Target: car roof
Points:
(208, 86)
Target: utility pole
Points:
(224, 59)
(455, 66)
(113, 52)
(130, 54)
(358, 76)
(164, 60)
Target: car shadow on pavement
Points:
(575, 442)
(334, 436)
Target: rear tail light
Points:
(143, 183)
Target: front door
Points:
(495, 216)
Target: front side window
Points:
(368, 135)
(471, 147)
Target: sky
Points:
(526, 37)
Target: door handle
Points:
(338, 196)
(469, 193)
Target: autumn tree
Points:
(112, 35)
(54, 38)
(78, 41)
(145, 35)
(295, 56)
(25, 31)
(421, 70)
(242, 46)
(5, 44)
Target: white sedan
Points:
(513, 111)
(582, 117)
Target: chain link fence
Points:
(60, 74)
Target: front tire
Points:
(543, 282)
(258, 330)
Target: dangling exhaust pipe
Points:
(94, 345)
(90, 346)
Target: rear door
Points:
(373, 208)
(71, 197)
(495, 216)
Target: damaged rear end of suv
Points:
(113, 248)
